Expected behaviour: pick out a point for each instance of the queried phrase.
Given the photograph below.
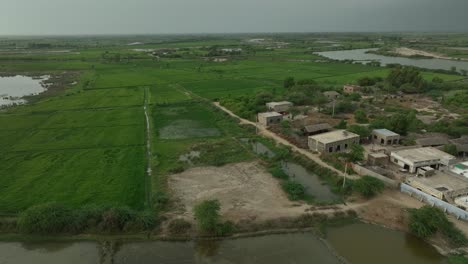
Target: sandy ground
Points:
(245, 190)
(411, 52)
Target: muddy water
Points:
(312, 183)
(361, 55)
(357, 243)
(368, 244)
(12, 89)
(286, 248)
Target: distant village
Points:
(423, 169)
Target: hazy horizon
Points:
(147, 17)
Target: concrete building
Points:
(280, 107)
(377, 159)
(335, 141)
(331, 95)
(311, 130)
(432, 141)
(349, 88)
(412, 159)
(461, 144)
(269, 118)
(385, 137)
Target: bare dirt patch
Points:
(245, 190)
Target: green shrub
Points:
(426, 221)
(179, 226)
(368, 186)
(278, 172)
(50, 218)
(207, 215)
(294, 190)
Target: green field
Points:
(86, 144)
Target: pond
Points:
(312, 183)
(12, 89)
(358, 243)
(369, 244)
(361, 55)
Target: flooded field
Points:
(12, 89)
(376, 245)
(312, 183)
(361, 55)
(180, 129)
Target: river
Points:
(358, 243)
(361, 55)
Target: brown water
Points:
(358, 243)
(368, 244)
(312, 183)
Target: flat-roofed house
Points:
(335, 141)
(331, 95)
(280, 107)
(461, 144)
(269, 118)
(385, 137)
(349, 88)
(412, 159)
(311, 130)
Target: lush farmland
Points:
(86, 144)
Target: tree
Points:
(289, 82)
(207, 215)
(342, 124)
(464, 72)
(362, 131)
(453, 69)
(356, 153)
(360, 116)
(437, 80)
(451, 149)
(368, 186)
(294, 190)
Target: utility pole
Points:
(333, 111)
(345, 172)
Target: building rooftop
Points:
(423, 154)
(270, 114)
(432, 141)
(271, 104)
(317, 127)
(378, 155)
(333, 93)
(385, 132)
(334, 136)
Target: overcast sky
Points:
(38, 17)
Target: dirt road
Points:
(265, 132)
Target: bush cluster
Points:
(55, 218)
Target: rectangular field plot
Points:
(113, 176)
(79, 138)
(181, 121)
(21, 121)
(89, 99)
(163, 94)
(95, 118)
(219, 88)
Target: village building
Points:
(461, 169)
(280, 107)
(385, 137)
(269, 118)
(331, 95)
(335, 141)
(435, 141)
(349, 88)
(461, 144)
(311, 130)
(377, 159)
(412, 159)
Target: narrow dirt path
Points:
(148, 148)
(265, 132)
